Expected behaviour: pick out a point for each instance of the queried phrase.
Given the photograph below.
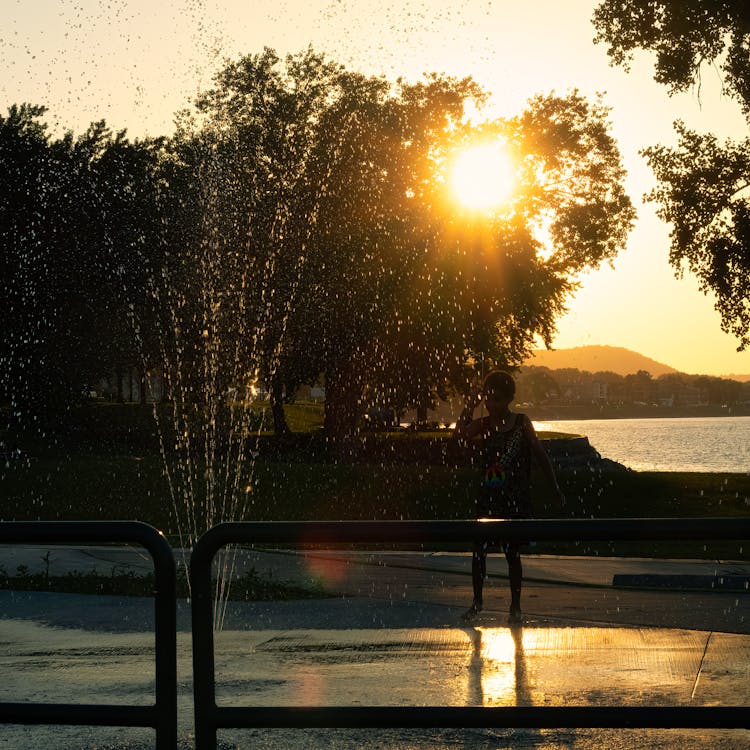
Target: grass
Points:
(249, 587)
(107, 467)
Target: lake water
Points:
(699, 444)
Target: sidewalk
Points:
(584, 570)
(699, 594)
(392, 636)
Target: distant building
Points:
(128, 385)
(574, 393)
(691, 395)
(673, 393)
(600, 391)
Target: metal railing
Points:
(162, 715)
(209, 717)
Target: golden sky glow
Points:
(135, 63)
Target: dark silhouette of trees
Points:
(544, 386)
(683, 36)
(537, 385)
(298, 225)
(305, 148)
(75, 210)
(363, 269)
(25, 174)
(702, 183)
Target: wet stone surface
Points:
(479, 665)
(393, 635)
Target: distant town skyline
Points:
(135, 64)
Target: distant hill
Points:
(742, 378)
(598, 358)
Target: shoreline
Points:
(584, 413)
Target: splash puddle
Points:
(488, 666)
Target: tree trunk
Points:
(342, 402)
(280, 426)
(119, 385)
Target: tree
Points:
(320, 174)
(490, 285)
(684, 35)
(537, 385)
(75, 210)
(722, 391)
(361, 267)
(290, 137)
(640, 388)
(25, 162)
(379, 233)
(702, 184)
(702, 193)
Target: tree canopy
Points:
(74, 213)
(702, 184)
(369, 272)
(298, 225)
(684, 35)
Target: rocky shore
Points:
(578, 453)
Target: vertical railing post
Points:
(204, 688)
(162, 717)
(165, 634)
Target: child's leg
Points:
(478, 571)
(515, 573)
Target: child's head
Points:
(499, 386)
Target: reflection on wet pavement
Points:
(392, 636)
(490, 666)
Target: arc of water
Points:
(310, 225)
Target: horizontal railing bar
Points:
(336, 532)
(79, 532)
(79, 714)
(543, 717)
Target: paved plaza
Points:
(392, 634)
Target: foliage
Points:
(505, 279)
(541, 385)
(362, 271)
(702, 192)
(75, 214)
(296, 227)
(702, 184)
(684, 35)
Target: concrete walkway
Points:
(391, 635)
(568, 589)
(587, 570)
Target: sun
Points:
(483, 177)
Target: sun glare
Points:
(483, 176)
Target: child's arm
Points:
(543, 460)
(466, 426)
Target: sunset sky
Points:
(136, 62)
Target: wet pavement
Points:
(391, 635)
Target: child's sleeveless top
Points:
(506, 472)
